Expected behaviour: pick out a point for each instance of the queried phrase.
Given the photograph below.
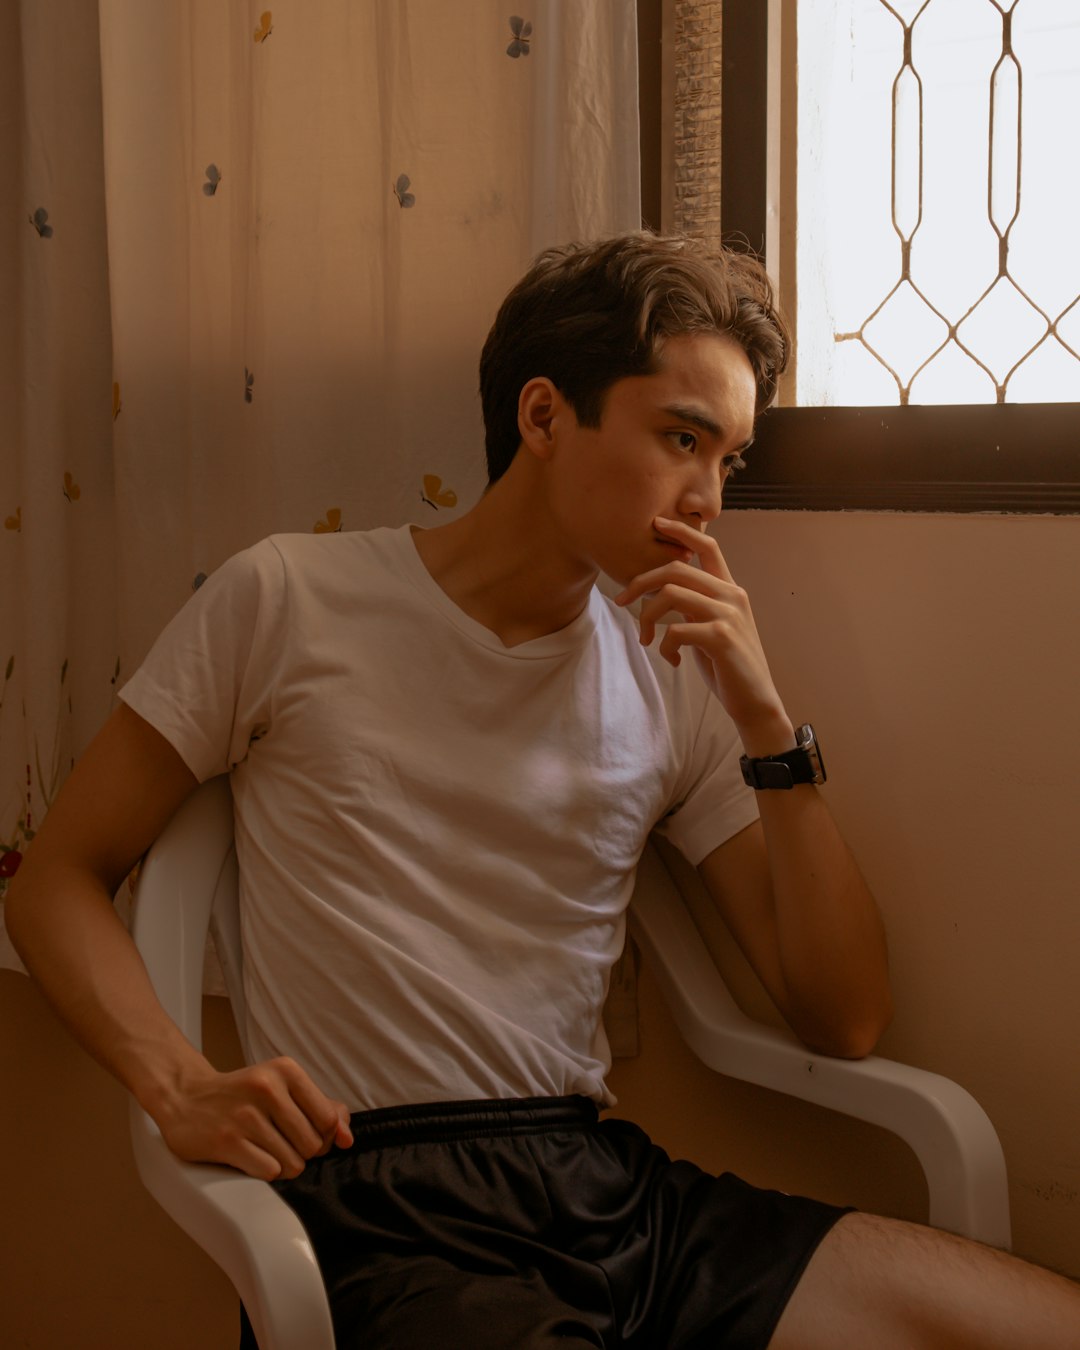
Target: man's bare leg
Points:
(898, 1286)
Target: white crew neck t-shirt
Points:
(437, 834)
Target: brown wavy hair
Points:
(587, 315)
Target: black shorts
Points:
(515, 1225)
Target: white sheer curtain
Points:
(250, 257)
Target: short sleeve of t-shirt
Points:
(711, 802)
(207, 684)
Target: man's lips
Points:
(668, 542)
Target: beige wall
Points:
(939, 658)
(87, 1259)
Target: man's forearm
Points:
(66, 930)
(830, 937)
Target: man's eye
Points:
(733, 463)
(685, 440)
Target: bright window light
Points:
(938, 212)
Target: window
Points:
(934, 263)
(955, 303)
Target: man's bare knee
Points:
(899, 1286)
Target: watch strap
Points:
(784, 771)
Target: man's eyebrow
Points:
(682, 413)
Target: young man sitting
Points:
(447, 751)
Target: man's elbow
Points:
(858, 1043)
(16, 912)
(32, 902)
(852, 1037)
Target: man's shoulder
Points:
(681, 688)
(333, 555)
(660, 683)
(279, 565)
(333, 545)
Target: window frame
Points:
(1004, 458)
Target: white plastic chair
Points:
(188, 883)
(945, 1127)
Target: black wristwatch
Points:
(801, 765)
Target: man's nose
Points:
(703, 497)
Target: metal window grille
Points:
(1005, 300)
(936, 330)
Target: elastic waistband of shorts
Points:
(438, 1122)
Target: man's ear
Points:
(541, 411)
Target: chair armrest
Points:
(243, 1225)
(950, 1134)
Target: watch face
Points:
(805, 740)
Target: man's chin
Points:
(621, 576)
(613, 583)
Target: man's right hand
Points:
(266, 1120)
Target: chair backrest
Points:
(188, 886)
(225, 934)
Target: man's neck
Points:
(500, 565)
